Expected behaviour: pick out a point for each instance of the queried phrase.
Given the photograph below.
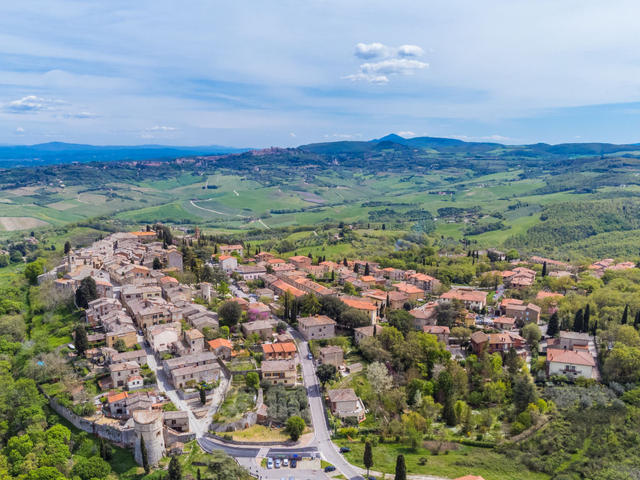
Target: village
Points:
(171, 369)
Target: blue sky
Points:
(288, 72)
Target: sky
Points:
(289, 72)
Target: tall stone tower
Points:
(148, 425)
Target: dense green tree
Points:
(309, 305)
(203, 395)
(402, 320)
(326, 372)
(86, 292)
(295, 426)
(524, 393)
(230, 313)
(90, 468)
(33, 270)
(352, 318)
(252, 381)
(157, 264)
(532, 334)
(67, 247)
(120, 345)
(81, 340)
(512, 361)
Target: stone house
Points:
(331, 355)
(120, 373)
(344, 403)
(221, 347)
(177, 420)
(442, 332)
(317, 328)
(279, 372)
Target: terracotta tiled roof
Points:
(219, 342)
(570, 357)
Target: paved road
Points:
(322, 438)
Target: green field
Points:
(456, 463)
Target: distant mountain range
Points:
(454, 146)
(64, 153)
(60, 153)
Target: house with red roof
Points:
(570, 363)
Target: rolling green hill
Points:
(568, 200)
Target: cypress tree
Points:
(368, 457)
(625, 315)
(366, 269)
(636, 322)
(175, 470)
(578, 321)
(594, 330)
(198, 476)
(401, 468)
(145, 456)
(552, 328)
(587, 318)
(203, 396)
(355, 268)
(544, 269)
(344, 262)
(81, 340)
(67, 247)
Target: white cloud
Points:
(161, 128)
(407, 134)
(32, 103)
(19, 131)
(81, 115)
(368, 51)
(292, 135)
(343, 136)
(410, 51)
(391, 61)
(379, 79)
(393, 66)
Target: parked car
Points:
(329, 468)
(310, 356)
(269, 462)
(278, 463)
(285, 462)
(294, 463)
(344, 449)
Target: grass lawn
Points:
(260, 433)
(464, 461)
